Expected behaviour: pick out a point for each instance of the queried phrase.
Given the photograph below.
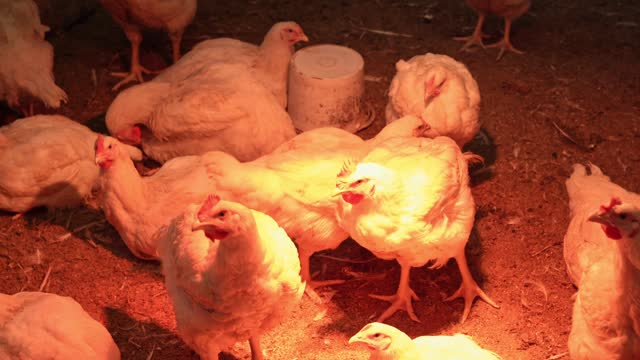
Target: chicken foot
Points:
(402, 298)
(256, 349)
(505, 43)
(136, 70)
(476, 37)
(176, 40)
(469, 289)
(305, 273)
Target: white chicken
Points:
(37, 325)
(295, 185)
(409, 199)
(232, 274)
(602, 252)
(139, 207)
(439, 89)
(132, 15)
(509, 9)
(26, 59)
(47, 160)
(386, 342)
(268, 62)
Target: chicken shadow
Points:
(482, 144)
(377, 276)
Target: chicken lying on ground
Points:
(217, 97)
(602, 252)
(48, 160)
(36, 325)
(139, 207)
(232, 274)
(268, 62)
(409, 199)
(439, 89)
(132, 15)
(508, 9)
(26, 59)
(385, 342)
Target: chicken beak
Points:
(601, 217)
(356, 339)
(303, 37)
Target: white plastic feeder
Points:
(326, 88)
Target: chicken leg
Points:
(256, 349)
(505, 43)
(176, 40)
(469, 289)
(305, 273)
(136, 70)
(402, 298)
(476, 37)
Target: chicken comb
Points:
(99, 144)
(207, 205)
(614, 201)
(347, 168)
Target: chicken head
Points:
(291, 32)
(355, 183)
(434, 81)
(105, 152)
(131, 135)
(221, 219)
(621, 221)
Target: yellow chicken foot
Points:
(256, 349)
(311, 285)
(402, 299)
(505, 43)
(469, 289)
(135, 74)
(475, 38)
(176, 40)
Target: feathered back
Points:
(26, 59)
(453, 113)
(63, 329)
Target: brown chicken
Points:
(508, 9)
(170, 15)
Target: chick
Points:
(385, 342)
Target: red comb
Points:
(99, 144)
(207, 205)
(614, 202)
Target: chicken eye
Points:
(110, 146)
(623, 216)
(377, 335)
(221, 213)
(358, 182)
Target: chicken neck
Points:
(469, 289)
(402, 298)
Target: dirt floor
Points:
(580, 76)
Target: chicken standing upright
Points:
(132, 15)
(26, 59)
(409, 199)
(37, 325)
(386, 342)
(509, 9)
(602, 252)
(232, 274)
(48, 160)
(439, 89)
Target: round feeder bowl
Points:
(326, 88)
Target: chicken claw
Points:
(475, 38)
(505, 43)
(305, 273)
(402, 299)
(468, 290)
(135, 74)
